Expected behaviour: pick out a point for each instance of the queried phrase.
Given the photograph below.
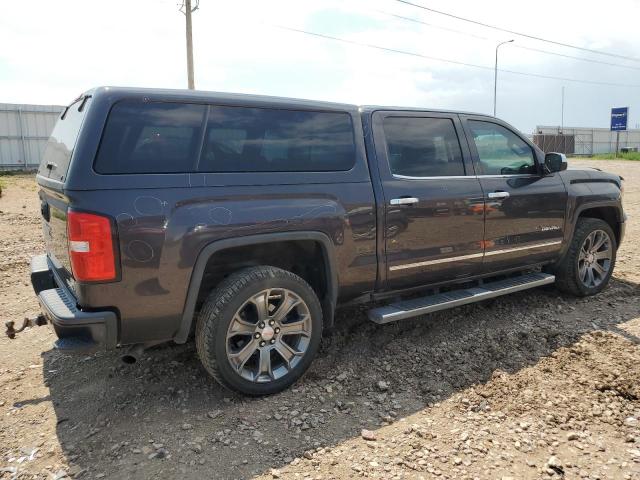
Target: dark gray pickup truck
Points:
(247, 220)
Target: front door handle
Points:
(404, 201)
(498, 195)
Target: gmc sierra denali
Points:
(245, 221)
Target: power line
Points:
(533, 37)
(445, 60)
(522, 47)
(575, 58)
(415, 20)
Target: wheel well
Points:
(305, 258)
(608, 214)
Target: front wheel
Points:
(588, 264)
(259, 330)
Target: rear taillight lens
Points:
(90, 247)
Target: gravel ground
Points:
(533, 385)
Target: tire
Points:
(242, 314)
(570, 272)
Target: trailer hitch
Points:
(28, 322)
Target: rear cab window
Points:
(242, 139)
(59, 148)
(156, 137)
(150, 138)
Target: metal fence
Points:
(584, 141)
(24, 130)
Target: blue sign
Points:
(619, 118)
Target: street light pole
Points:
(495, 77)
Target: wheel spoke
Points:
(265, 363)
(600, 239)
(590, 278)
(261, 301)
(286, 352)
(289, 302)
(240, 358)
(240, 327)
(602, 272)
(299, 327)
(582, 271)
(603, 255)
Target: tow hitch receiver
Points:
(28, 322)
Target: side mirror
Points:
(555, 162)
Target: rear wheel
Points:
(259, 330)
(588, 264)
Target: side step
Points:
(442, 301)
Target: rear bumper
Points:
(77, 330)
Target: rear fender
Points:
(328, 303)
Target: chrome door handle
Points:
(404, 201)
(498, 195)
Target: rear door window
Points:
(423, 147)
(243, 139)
(150, 138)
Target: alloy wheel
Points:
(594, 260)
(268, 335)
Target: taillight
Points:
(90, 247)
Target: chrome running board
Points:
(455, 298)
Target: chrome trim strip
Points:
(435, 262)
(526, 247)
(449, 177)
(473, 255)
(529, 175)
(463, 177)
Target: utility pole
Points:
(564, 139)
(187, 9)
(495, 77)
(562, 112)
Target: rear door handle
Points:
(498, 195)
(404, 201)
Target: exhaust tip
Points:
(133, 354)
(129, 359)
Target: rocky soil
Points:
(534, 385)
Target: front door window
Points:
(500, 151)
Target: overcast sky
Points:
(51, 51)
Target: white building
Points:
(24, 130)
(584, 141)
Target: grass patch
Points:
(7, 177)
(610, 156)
